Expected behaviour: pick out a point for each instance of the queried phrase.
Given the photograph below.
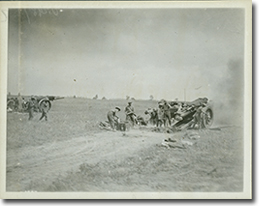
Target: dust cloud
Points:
(227, 95)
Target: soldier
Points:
(44, 110)
(166, 110)
(130, 115)
(153, 115)
(31, 106)
(176, 112)
(198, 116)
(20, 103)
(113, 118)
(160, 117)
(16, 107)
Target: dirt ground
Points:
(71, 153)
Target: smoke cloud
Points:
(228, 95)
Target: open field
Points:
(71, 153)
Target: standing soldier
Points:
(20, 102)
(154, 116)
(31, 106)
(160, 119)
(130, 113)
(198, 116)
(16, 106)
(166, 110)
(176, 110)
(44, 110)
(113, 118)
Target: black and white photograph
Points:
(126, 100)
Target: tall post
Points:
(185, 95)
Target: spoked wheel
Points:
(208, 118)
(10, 105)
(45, 104)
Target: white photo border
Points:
(246, 194)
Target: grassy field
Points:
(70, 152)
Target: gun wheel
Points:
(46, 104)
(11, 105)
(208, 118)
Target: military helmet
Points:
(118, 108)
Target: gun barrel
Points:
(57, 98)
(51, 98)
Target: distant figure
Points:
(95, 97)
(113, 118)
(20, 103)
(44, 110)
(16, 106)
(31, 106)
(130, 113)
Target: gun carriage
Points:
(185, 117)
(39, 101)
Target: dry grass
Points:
(68, 118)
(213, 163)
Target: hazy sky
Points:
(119, 52)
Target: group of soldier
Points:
(156, 117)
(130, 116)
(19, 104)
(165, 115)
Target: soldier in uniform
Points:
(130, 113)
(44, 110)
(113, 118)
(198, 116)
(167, 112)
(176, 110)
(153, 115)
(20, 103)
(31, 106)
(160, 117)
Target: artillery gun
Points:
(13, 103)
(185, 117)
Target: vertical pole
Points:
(19, 51)
(184, 95)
